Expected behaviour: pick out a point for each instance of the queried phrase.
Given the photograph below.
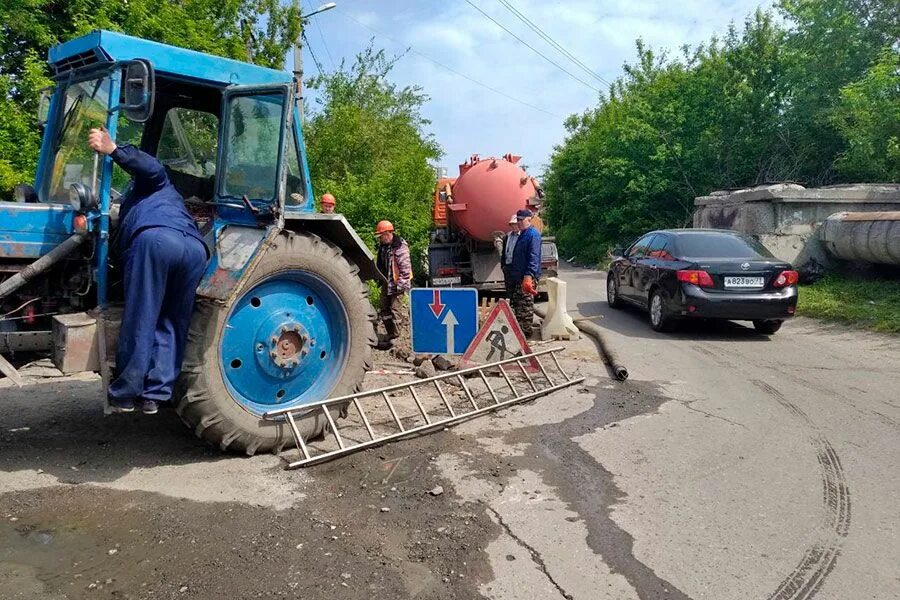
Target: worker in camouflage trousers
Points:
(523, 272)
(394, 264)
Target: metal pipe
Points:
(41, 265)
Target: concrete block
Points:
(557, 324)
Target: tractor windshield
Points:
(85, 107)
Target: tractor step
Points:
(405, 410)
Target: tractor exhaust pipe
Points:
(40, 265)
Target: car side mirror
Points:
(618, 252)
(138, 91)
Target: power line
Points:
(549, 39)
(450, 69)
(533, 49)
(311, 53)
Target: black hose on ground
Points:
(40, 265)
(606, 351)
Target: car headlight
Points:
(82, 198)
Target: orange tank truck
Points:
(471, 214)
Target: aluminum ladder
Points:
(378, 415)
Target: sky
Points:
(525, 113)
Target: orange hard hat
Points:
(328, 199)
(383, 227)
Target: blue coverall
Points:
(526, 259)
(164, 258)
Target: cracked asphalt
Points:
(731, 465)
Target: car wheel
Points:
(612, 292)
(659, 315)
(767, 327)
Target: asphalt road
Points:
(730, 466)
(771, 471)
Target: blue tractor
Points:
(282, 316)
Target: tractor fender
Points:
(236, 250)
(336, 229)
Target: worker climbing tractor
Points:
(394, 264)
(523, 271)
(164, 257)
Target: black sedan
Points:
(703, 273)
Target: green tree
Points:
(829, 44)
(868, 119)
(812, 98)
(669, 130)
(368, 146)
(259, 31)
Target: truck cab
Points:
(230, 137)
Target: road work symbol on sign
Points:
(498, 339)
(444, 320)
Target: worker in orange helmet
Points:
(328, 203)
(395, 266)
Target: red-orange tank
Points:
(487, 192)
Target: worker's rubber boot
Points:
(390, 327)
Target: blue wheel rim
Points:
(285, 343)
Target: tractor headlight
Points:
(82, 198)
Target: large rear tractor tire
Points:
(300, 330)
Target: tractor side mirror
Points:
(43, 112)
(138, 91)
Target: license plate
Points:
(744, 282)
(446, 281)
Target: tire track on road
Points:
(819, 560)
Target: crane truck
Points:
(282, 316)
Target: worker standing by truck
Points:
(524, 271)
(394, 264)
(164, 256)
(506, 254)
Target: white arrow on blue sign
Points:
(443, 320)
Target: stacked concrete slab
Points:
(788, 219)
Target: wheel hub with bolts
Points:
(282, 345)
(290, 347)
(284, 342)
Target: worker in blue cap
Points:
(164, 258)
(524, 270)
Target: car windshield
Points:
(711, 244)
(86, 107)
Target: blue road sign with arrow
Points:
(444, 320)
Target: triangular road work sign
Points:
(498, 339)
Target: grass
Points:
(870, 303)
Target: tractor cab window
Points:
(295, 189)
(252, 137)
(187, 149)
(85, 107)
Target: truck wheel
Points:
(300, 330)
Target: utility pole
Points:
(298, 56)
(298, 75)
